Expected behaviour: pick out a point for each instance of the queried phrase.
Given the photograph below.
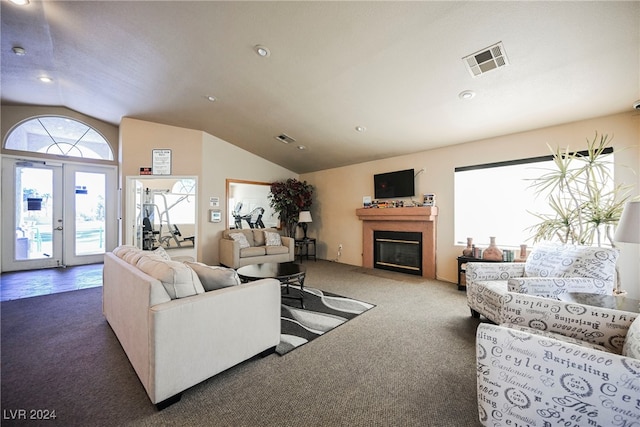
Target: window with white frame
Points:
(59, 136)
(498, 200)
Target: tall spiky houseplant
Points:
(288, 198)
(585, 203)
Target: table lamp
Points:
(303, 219)
(628, 230)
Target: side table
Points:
(305, 243)
(462, 262)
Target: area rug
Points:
(321, 312)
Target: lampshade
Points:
(628, 230)
(305, 216)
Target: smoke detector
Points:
(486, 60)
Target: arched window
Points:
(60, 136)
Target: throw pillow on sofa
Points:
(214, 277)
(132, 257)
(272, 238)
(240, 238)
(162, 253)
(128, 253)
(122, 250)
(178, 279)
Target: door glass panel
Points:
(90, 189)
(34, 213)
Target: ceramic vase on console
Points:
(492, 253)
(523, 254)
(468, 251)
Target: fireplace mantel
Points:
(417, 219)
(398, 214)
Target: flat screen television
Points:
(394, 184)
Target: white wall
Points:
(196, 153)
(222, 161)
(339, 192)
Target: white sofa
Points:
(550, 270)
(530, 377)
(174, 332)
(240, 247)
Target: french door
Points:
(56, 213)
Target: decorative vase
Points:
(492, 253)
(468, 251)
(523, 253)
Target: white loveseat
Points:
(174, 332)
(240, 247)
(550, 270)
(528, 377)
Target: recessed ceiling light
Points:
(467, 94)
(20, 2)
(211, 98)
(45, 79)
(301, 147)
(361, 128)
(262, 50)
(19, 51)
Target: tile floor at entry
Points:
(31, 283)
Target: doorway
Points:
(162, 212)
(58, 213)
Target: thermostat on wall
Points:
(215, 215)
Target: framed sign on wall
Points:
(161, 161)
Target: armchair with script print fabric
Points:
(487, 287)
(550, 270)
(606, 327)
(529, 377)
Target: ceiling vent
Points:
(285, 138)
(486, 60)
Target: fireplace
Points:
(398, 251)
(419, 220)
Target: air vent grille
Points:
(285, 138)
(486, 60)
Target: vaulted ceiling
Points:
(394, 68)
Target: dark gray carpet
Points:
(408, 362)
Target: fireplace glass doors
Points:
(398, 251)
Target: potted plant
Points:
(288, 198)
(585, 203)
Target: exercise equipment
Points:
(167, 232)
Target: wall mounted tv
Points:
(394, 184)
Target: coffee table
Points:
(288, 273)
(622, 303)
